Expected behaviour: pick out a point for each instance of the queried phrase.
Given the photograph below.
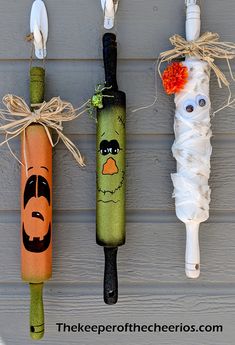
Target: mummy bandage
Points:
(189, 81)
(192, 151)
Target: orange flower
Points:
(174, 77)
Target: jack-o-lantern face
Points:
(36, 202)
(111, 155)
(36, 205)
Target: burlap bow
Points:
(50, 114)
(206, 48)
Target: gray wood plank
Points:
(149, 165)
(75, 82)
(143, 27)
(153, 254)
(71, 305)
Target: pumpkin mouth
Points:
(37, 245)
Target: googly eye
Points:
(202, 101)
(189, 106)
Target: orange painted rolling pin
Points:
(35, 126)
(36, 207)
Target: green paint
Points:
(97, 101)
(36, 311)
(110, 209)
(37, 84)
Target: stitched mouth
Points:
(37, 245)
(37, 214)
(114, 190)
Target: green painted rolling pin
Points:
(110, 196)
(36, 207)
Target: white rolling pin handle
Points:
(193, 22)
(192, 254)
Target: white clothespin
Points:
(39, 28)
(109, 8)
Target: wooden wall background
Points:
(152, 284)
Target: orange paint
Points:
(36, 205)
(110, 167)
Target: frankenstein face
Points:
(110, 155)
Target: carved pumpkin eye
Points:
(189, 106)
(43, 188)
(201, 101)
(30, 189)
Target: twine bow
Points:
(50, 114)
(206, 48)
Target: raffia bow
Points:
(206, 48)
(50, 114)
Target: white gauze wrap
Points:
(192, 148)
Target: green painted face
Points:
(111, 155)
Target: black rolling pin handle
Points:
(110, 275)
(110, 60)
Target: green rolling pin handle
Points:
(36, 311)
(37, 85)
(110, 275)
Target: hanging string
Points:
(30, 38)
(156, 91)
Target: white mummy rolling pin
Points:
(189, 81)
(192, 148)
